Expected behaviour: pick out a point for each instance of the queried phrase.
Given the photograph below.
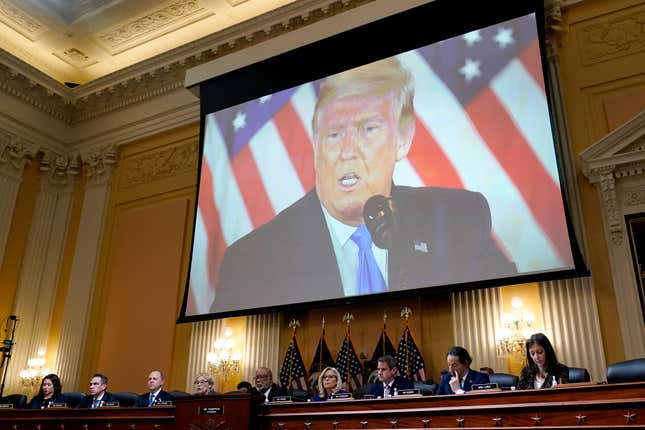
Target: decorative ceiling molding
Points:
(169, 17)
(13, 16)
(75, 58)
(158, 76)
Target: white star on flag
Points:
(472, 37)
(504, 37)
(470, 69)
(239, 121)
(265, 99)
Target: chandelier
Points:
(223, 360)
(517, 326)
(34, 373)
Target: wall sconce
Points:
(517, 327)
(223, 360)
(34, 373)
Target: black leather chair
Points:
(19, 401)
(505, 381)
(126, 399)
(298, 395)
(177, 394)
(73, 398)
(626, 371)
(578, 374)
(425, 388)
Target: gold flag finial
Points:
(323, 322)
(405, 313)
(384, 317)
(347, 318)
(294, 324)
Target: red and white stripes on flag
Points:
(482, 124)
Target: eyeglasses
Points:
(329, 377)
(200, 381)
(261, 376)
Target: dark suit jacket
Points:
(444, 237)
(400, 383)
(143, 400)
(86, 402)
(473, 377)
(277, 390)
(40, 403)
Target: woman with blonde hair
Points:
(203, 384)
(329, 384)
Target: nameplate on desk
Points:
(368, 396)
(343, 396)
(281, 399)
(57, 405)
(408, 392)
(163, 403)
(211, 410)
(110, 405)
(6, 406)
(488, 386)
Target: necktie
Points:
(386, 390)
(152, 400)
(370, 279)
(96, 403)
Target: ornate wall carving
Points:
(99, 163)
(165, 163)
(20, 21)
(163, 20)
(635, 196)
(613, 38)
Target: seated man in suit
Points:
(363, 124)
(460, 377)
(155, 392)
(389, 379)
(99, 395)
(265, 385)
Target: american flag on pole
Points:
(293, 373)
(480, 106)
(349, 365)
(322, 358)
(408, 357)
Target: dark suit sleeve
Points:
(444, 385)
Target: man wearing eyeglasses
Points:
(265, 385)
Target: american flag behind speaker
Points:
(481, 124)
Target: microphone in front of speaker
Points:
(381, 219)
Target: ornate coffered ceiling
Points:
(78, 41)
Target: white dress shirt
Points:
(346, 252)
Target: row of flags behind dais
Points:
(294, 374)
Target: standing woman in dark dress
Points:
(543, 369)
(50, 392)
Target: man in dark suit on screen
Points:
(319, 247)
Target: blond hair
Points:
(382, 78)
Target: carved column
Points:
(98, 166)
(36, 292)
(14, 156)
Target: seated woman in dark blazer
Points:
(50, 392)
(329, 384)
(543, 369)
